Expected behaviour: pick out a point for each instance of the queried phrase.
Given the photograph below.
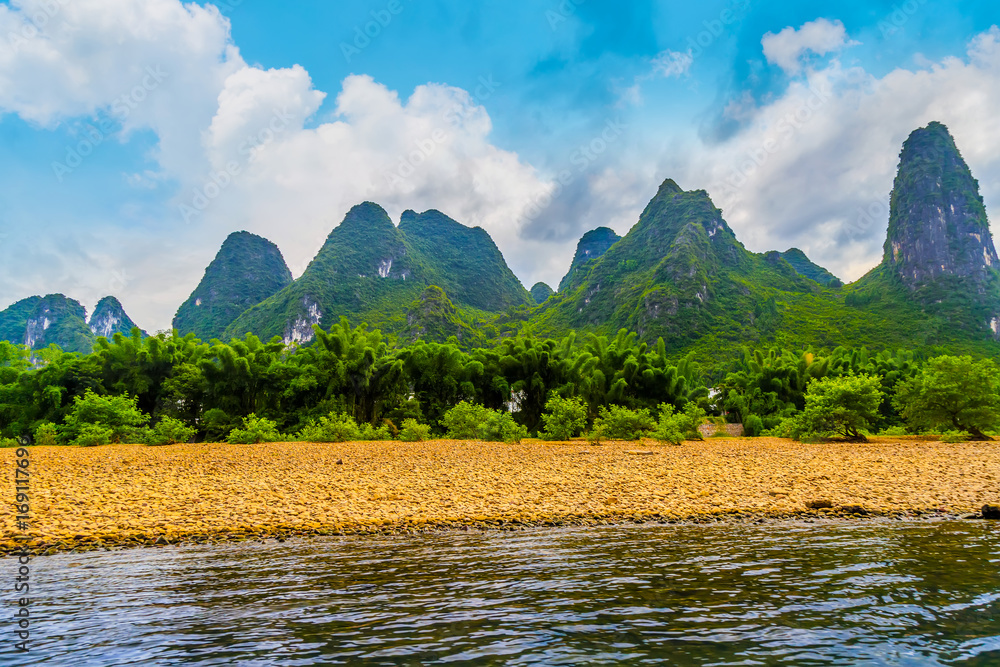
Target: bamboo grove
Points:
(212, 386)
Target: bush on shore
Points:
(168, 431)
(254, 431)
(844, 406)
(470, 421)
(616, 422)
(100, 420)
(414, 431)
(564, 418)
(676, 427)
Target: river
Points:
(786, 593)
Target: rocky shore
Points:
(129, 496)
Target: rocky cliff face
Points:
(110, 318)
(937, 221)
(939, 244)
(592, 245)
(50, 320)
(247, 270)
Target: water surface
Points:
(871, 593)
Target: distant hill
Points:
(247, 269)
(369, 270)
(681, 274)
(110, 318)
(540, 292)
(40, 321)
(805, 267)
(939, 252)
(592, 245)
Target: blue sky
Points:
(200, 120)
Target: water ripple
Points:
(891, 593)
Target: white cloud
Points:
(234, 138)
(430, 151)
(787, 48)
(153, 64)
(673, 63)
(814, 167)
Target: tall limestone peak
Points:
(365, 244)
(937, 220)
(592, 245)
(370, 270)
(464, 261)
(247, 269)
(939, 244)
(110, 318)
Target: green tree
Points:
(841, 405)
(952, 393)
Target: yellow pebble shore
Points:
(125, 495)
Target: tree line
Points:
(350, 382)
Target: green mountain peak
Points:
(246, 270)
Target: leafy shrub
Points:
(954, 436)
(93, 435)
(46, 434)
(470, 421)
(952, 393)
(753, 426)
(255, 430)
(169, 431)
(619, 423)
(502, 427)
(564, 418)
(7, 443)
(115, 417)
(840, 406)
(676, 427)
(335, 427)
(788, 427)
(370, 433)
(414, 431)
(894, 430)
(174, 431)
(462, 422)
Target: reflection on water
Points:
(798, 594)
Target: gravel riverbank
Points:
(124, 495)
